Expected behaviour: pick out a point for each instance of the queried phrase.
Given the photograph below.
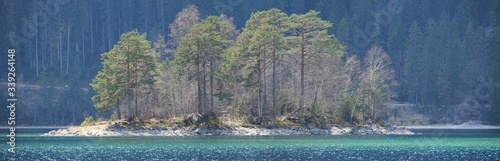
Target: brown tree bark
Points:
(302, 83)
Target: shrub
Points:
(154, 125)
(174, 121)
(88, 121)
(114, 116)
(284, 122)
(136, 122)
(188, 122)
(214, 122)
(244, 119)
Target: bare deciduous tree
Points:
(377, 79)
(182, 23)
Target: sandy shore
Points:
(103, 130)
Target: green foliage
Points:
(211, 122)
(413, 63)
(343, 31)
(200, 49)
(215, 122)
(114, 116)
(136, 122)
(175, 121)
(245, 120)
(188, 122)
(250, 120)
(128, 66)
(261, 35)
(153, 123)
(88, 121)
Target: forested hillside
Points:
(320, 60)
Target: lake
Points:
(428, 145)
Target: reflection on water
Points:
(430, 145)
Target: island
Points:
(176, 127)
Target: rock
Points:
(269, 124)
(326, 126)
(362, 130)
(311, 126)
(201, 131)
(319, 132)
(217, 132)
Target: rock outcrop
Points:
(116, 130)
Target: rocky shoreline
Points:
(228, 131)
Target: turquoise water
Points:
(430, 145)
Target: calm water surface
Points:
(430, 145)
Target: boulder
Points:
(202, 130)
(319, 132)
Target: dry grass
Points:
(84, 129)
(230, 122)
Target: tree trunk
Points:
(172, 97)
(372, 114)
(129, 99)
(36, 48)
(274, 84)
(109, 37)
(416, 91)
(352, 112)
(73, 112)
(91, 32)
(136, 76)
(67, 52)
(199, 89)
(83, 49)
(44, 52)
(129, 104)
(264, 101)
(212, 86)
(118, 108)
(60, 51)
(135, 101)
(50, 55)
(162, 23)
(204, 89)
(302, 85)
(259, 90)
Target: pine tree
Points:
(127, 67)
(412, 63)
(304, 27)
(199, 51)
(259, 45)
